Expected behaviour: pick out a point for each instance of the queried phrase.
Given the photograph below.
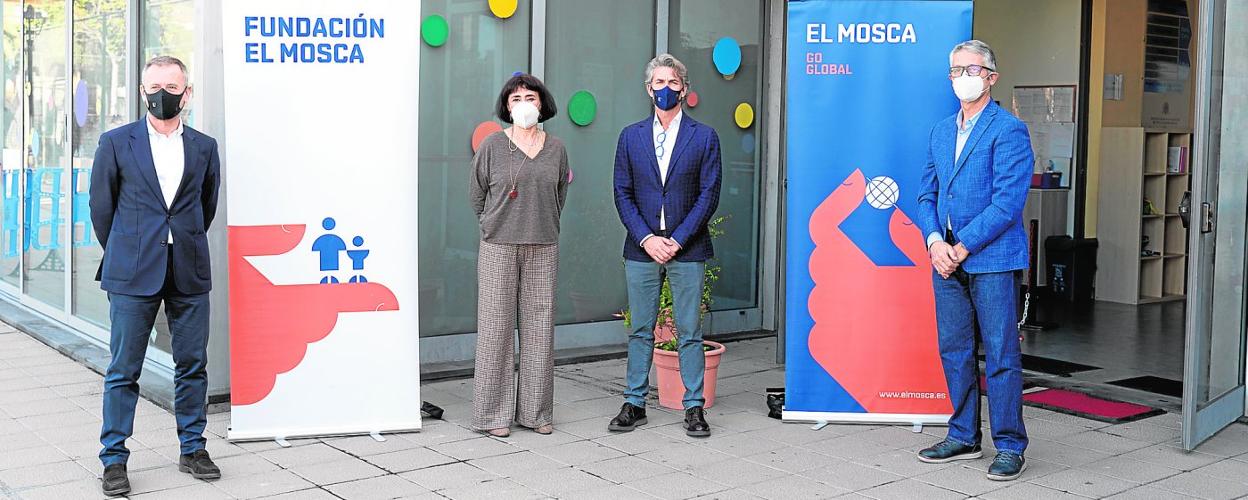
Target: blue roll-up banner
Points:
(866, 82)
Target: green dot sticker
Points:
(434, 30)
(582, 108)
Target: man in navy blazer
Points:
(153, 196)
(971, 200)
(667, 177)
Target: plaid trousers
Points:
(515, 280)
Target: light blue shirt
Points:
(964, 133)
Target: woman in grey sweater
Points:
(518, 184)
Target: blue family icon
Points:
(329, 246)
(357, 259)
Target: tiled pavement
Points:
(49, 420)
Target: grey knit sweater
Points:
(532, 217)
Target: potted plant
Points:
(666, 355)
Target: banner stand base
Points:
(821, 418)
(376, 435)
(281, 441)
(918, 428)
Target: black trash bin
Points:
(1071, 267)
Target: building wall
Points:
(1036, 43)
(566, 44)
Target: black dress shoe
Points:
(695, 423)
(199, 465)
(629, 418)
(115, 483)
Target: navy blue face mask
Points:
(666, 98)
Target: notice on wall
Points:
(1168, 66)
(1049, 112)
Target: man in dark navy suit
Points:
(667, 178)
(153, 196)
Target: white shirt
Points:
(167, 155)
(665, 160)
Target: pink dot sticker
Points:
(483, 130)
(692, 99)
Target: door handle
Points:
(1185, 209)
(1206, 218)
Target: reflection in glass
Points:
(101, 103)
(608, 60)
(168, 29)
(47, 181)
(11, 154)
(696, 25)
(459, 84)
(1228, 154)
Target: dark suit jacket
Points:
(131, 219)
(688, 199)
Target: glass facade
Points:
(696, 26)
(481, 52)
(459, 86)
(63, 89)
(13, 157)
(72, 69)
(45, 193)
(608, 61)
(101, 102)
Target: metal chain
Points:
(1026, 308)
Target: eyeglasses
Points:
(658, 144)
(973, 70)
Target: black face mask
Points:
(164, 105)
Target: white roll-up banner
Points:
(320, 160)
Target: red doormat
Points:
(1083, 405)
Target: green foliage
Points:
(673, 345)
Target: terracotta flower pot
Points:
(672, 388)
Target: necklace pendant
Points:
(513, 194)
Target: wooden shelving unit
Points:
(1136, 171)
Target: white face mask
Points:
(524, 114)
(969, 88)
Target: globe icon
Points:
(882, 192)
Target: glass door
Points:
(1214, 369)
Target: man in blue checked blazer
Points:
(667, 177)
(979, 167)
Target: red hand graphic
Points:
(875, 327)
(272, 325)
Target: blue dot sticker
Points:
(727, 56)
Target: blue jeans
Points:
(132, 320)
(991, 300)
(645, 282)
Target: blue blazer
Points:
(982, 193)
(131, 219)
(688, 199)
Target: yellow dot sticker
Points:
(744, 115)
(503, 8)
